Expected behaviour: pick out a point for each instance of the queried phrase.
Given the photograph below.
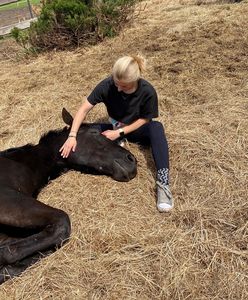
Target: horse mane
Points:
(51, 135)
(6, 152)
(46, 138)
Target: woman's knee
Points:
(155, 126)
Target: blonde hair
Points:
(129, 68)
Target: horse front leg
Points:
(13, 270)
(53, 234)
(27, 213)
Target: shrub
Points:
(113, 14)
(20, 36)
(66, 23)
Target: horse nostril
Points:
(130, 158)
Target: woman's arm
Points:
(135, 125)
(80, 115)
(71, 142)
(115, 134)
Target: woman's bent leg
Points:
(153, 134)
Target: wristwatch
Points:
(121, 131)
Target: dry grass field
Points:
(121, 247)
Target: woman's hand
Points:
(70, 144)
(111, 134)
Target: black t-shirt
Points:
(126, 108)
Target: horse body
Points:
(30, 171)
(32, 226)
(25, 172)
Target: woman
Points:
(131, 103)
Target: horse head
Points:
(100, 154)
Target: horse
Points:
(29, 228)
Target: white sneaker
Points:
(164, 198)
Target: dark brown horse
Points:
(29, 227)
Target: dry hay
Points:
(121, 247)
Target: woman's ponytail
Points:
(129, 68)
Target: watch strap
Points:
(121, 131)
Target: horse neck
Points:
(39, 158)
(49, 154)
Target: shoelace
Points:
(165, 189)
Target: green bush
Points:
(66, 23)
(113, 14)
(20, 36)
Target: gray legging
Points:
(150, 134)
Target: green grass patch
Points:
(19, 4)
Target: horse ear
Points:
(67, 117)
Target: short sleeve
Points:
(98, 93)
(149, 107)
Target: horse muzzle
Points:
(125, 169)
